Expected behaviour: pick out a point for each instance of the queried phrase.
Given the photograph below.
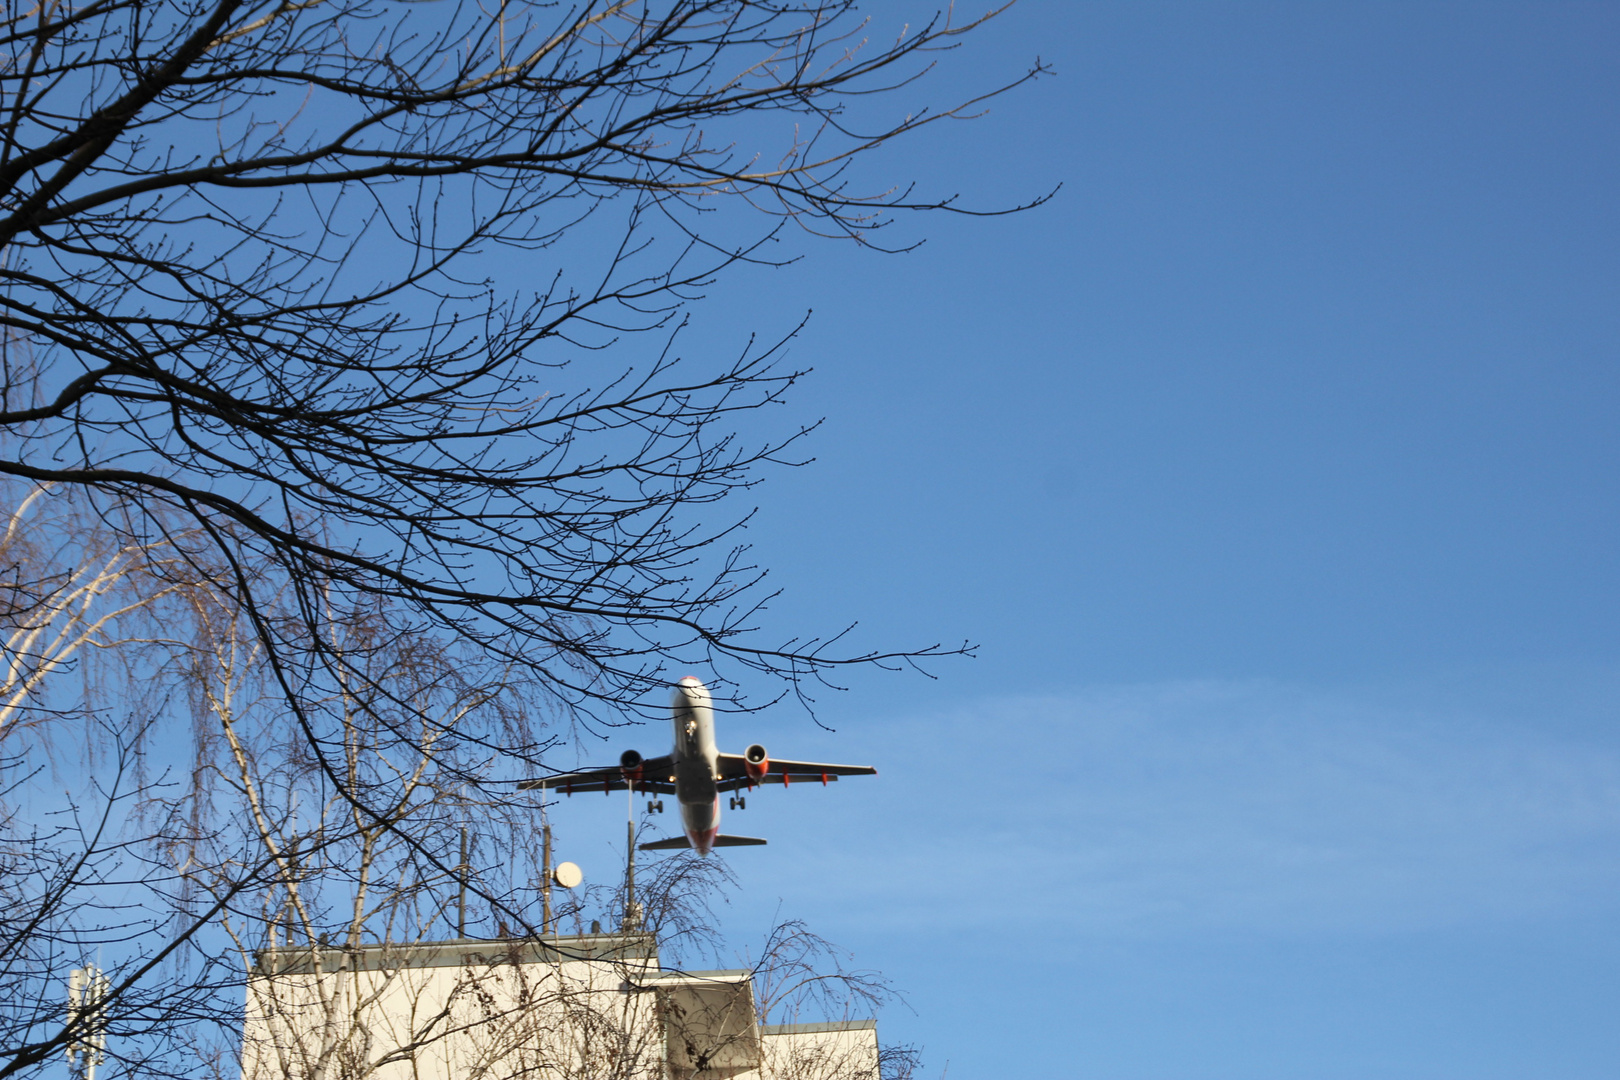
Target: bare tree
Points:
(176, 848)
(341, 367)
(82, 881)
(355, 288)
(69, 587)
(339, 905)
(351, 975)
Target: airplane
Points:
(695, 772)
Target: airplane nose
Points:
(690, 689)
(689, 693)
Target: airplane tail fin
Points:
(737, 841)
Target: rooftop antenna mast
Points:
(87, 1016)
(564, 875)
(461, 899)
(545, 865)
(632, 910)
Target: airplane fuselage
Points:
(696, 773)
(696, 763)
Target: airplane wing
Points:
(655, 779)
(734, 772)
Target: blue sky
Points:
(1272, 468)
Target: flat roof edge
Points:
(812, 1029)
(306, 959)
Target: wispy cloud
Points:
(1161, 810)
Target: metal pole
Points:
(630, 881)
(630, 859)
(461, 903)
(545, 881)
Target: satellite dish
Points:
(567, 875)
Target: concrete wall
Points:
(558, 1008)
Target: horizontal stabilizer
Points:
(676, 843)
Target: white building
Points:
(596, 1006)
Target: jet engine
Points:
(756, 761)
(630, 763)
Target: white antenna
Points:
(87, 1016)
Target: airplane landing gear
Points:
(739, 802)
(655, 806)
